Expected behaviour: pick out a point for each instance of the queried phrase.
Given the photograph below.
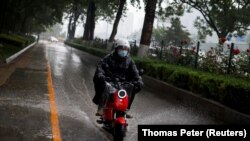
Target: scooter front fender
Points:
(120, 120)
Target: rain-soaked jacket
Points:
(122, 67)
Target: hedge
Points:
(225, 89)
(10, 39)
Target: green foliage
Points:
(202, 28)
(231, 91)
(13, 40)
(30, 16)
(173, 34)
(12, 43)
(223, 16)
(171, 9)
(94, 51)
(159, 34)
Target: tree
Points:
(203, 31)
(75, 10)
(147, 27)
(117, 20)
(30, 16)
(151, 10)
(97, 10)
(223, 16)
(120, 11)
(175, 34)
(90, 21)
(159, 34)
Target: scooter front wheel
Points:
(119, 132)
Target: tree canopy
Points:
(29, 16)
(223, 16)
(173, 34)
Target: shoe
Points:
(99, 111)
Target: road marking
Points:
(53, 108)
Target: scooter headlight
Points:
(122, 93)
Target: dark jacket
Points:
(122, 67)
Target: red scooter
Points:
(115, 103)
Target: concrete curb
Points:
(9, 59)
(203, 105)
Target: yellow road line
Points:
(53, 109)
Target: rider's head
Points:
(122, 47)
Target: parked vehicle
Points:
(53, 39)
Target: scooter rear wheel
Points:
(119, 132)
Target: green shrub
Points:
(21, 38)
(12, 43)
(179, 78)
(230, 91)
(9, 39)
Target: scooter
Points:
(115, 103)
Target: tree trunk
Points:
(147, 28)
(117, 20)
(2, 14)
(73, 30)
(87, 25)
(69, 36)
(90, 22)
(24, 24)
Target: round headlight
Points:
(122, 93)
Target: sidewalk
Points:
(24, 100)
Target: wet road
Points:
(25, 99)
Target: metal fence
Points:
(217, 58)
(211, 57)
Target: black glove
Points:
(102, 77)
(137, 86)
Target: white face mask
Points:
(122, 53)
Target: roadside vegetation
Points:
(228, 90)
(13, 43)
(227, 19)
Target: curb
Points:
(203, 105)
(9, 59)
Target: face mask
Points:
(122, 53)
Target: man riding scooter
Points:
(118, 63)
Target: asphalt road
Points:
(28, 112)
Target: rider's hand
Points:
(102, 77)
(137, 86)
